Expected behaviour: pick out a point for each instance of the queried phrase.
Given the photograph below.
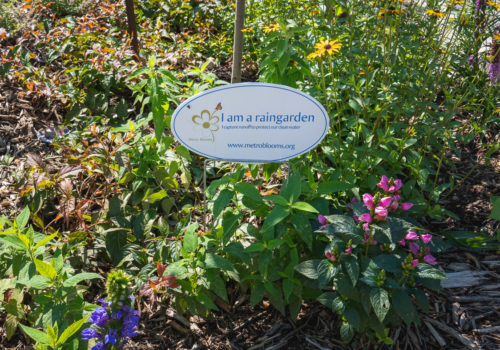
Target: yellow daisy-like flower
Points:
(271, 28)
(389, 11)
(435, 13)
(491, 3)
(455, 2)
(325, 47)
(497, 110)
(247, 30)
(496, 36)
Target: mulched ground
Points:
(465, 314)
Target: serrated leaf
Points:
(191, 238)
(291, 189)
(206, 301)
(427, 271)
(10, 325)
(45, 269)
(275, 217)
(379, 299)
(352, 267)
(223, 199)
(44, 241)
(39, 336)
(213, 261)
(257, 294)
(249, 191)
(333, 301)
(36, 282)
(340, 224)
(346, 332)
(309, 268)
(22, 219)
(70, 331)
(157, 196)
(304, 207)
(74, 280)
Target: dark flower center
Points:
(327, 47)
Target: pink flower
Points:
(348, 251)
(366, 227)
(356, 218)
(354, 200)
(329, 256)
(386, 201)
(414, 263)
(394, 206)
(411, 236)
(384, 183)
(397, 185)
(414, 248)
(368, 200)
(402, 242)
(426, 238)
(381, 211)
(406, 205)
(322, 221)
(429, 259)
(365, 218)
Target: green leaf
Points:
(157, 109)
(340, 224)
(388, 262)
(36, 282)
(495, 212)
(206, 301)
(74, 280)
(257, 294)
(346, 332)
(213, 261)
(309, 268)
(45, 269)
(351, 265)
(275, 216)
(229, 224)
(68, 332)
(22, 219)
(427, 271)
(333, 301)
(223, 199)
(271, 289)
(304, 207)
(352, 316)
(191, 238)
(403, 305)
(277, 199)
(115, 241)
(44, 240)
(10, 325)
(157, 196)
(51, 332)
(40, 337)
(291, 189)
(216, 284)
(333, 187)
(287, 286)
(249, 191)
(380, 302)
(303, 228)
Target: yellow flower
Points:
(491, 3)
(389, 11)
(410, 131)
(315, 12)
(434, 13)
(496, 36)
(497, 110)
(247, 30)
(454, 2)
(325, 47)
(271, 28)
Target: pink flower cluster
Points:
(380, 208)
(422, 252)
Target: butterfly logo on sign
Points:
(208, 123)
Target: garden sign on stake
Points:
(250, 123)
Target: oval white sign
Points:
(254, 122)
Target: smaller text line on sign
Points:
(254, 122)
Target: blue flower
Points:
(98, 346)
(89, 333)
(110, 337)
(99, 317)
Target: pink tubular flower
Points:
(356, 218)
(329, 256)
(354, 200)
(397, 185)
(402, 242)
(406, 206)
(414, 263)
(384, 183)
(348, 251)
(429, 259)
(414, 248)
(385, 202)
(394, 205)
(426, 238)
(381, 211)
(368, 200)
(411, 236)
(322, 221)
(366, 227)
(365, 218)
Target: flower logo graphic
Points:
(208, 122)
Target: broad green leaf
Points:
(271, 289)
(216, 284)
(116, 240)
(346, 332)
(258, 291)
(45, 269)
(213, 261)
(10, 325)
(333, 187)
(291, 188)
(68, 332)
(427, 271)
(14, 241)
(51, 332)
(40, 337)
(44, 240)
(230, 223)
(352, 316)
(287, 286)
(304, 207)
(206, 301)
(278, 199)
(255, 247)
(248, 190)
(388, 262)
(191, 238)
(275, 217)
(157, 196)
(223, 199)
(403, 305)
(333, 301)
(351, 266)
(74, 280)
(303, 228)
(339, 224)
(22, 219)
(36, 282)
(309, 268)
(380, 302)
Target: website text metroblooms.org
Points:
(262, 145)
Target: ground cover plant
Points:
(111, 224)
